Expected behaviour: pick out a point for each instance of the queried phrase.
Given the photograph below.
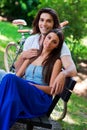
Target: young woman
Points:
(31, 97)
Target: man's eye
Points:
(48, 37)
(41, 20)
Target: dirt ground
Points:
(81, 78)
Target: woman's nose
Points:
(49, 43)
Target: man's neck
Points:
(42, 37)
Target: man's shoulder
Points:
(34, 36)
(65, 50)
(64, 46)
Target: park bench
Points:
(44, 121)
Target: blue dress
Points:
(2, 74)
(20, 99)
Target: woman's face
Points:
(46, 23)
(51, 41)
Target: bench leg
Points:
(29, 126)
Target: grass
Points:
(76, 118)
(77, 113)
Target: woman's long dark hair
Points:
(49, 11)
(48, 63)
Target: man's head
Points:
(45, 20)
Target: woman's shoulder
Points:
(58, 61)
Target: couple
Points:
(32, 96)
(46, 20)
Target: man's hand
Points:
(23, 56)
(62, 24)
(29, 53)
(58, 84)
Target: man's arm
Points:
(69, 66)
(69, 71)
(23, 56)
(64, 23)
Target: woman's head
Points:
(53, 40)
(45, 20)
(54, 54)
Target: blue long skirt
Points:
(19, 99)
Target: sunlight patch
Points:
(67, 118)
(2, 49)
(84, 41)
(3, 38)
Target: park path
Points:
(81, 78)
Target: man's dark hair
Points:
(49, 11)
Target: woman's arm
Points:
(21, 71)
(56, 70)
(45, 89)
(19, 63)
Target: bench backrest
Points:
(65, 95)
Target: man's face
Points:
(45, 23)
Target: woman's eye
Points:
(55, 42)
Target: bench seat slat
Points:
(42, 121)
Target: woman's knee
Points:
(9, 76)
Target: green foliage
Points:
(13, 9)
(78, 50)
(8, 32)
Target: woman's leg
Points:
(19, 99)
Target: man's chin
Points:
(44, 33)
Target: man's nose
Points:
(44, 23)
